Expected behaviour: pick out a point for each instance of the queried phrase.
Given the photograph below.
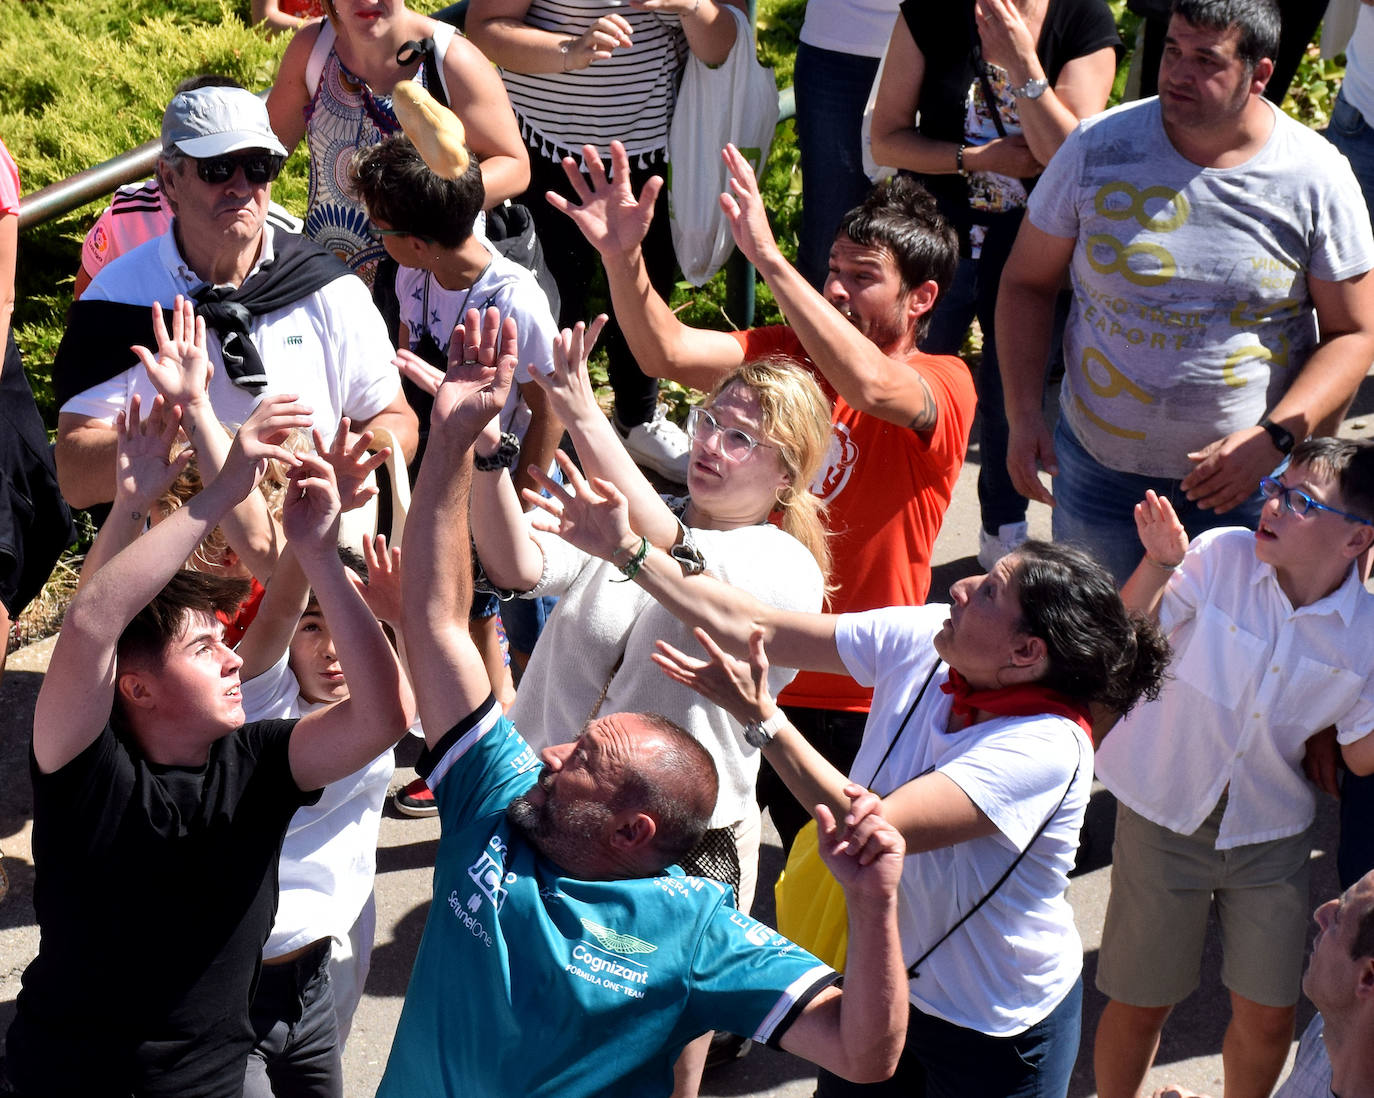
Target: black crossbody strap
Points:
(902, 727)
(912, 972)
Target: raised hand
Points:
(260, 440)
(382, 591)
(1006, 35)
(610, 217)
(352, 463)
(181, 369)
(1163, 536)
(569, 385)
(589, 515)
(738, 687)
(310, 510)
(743, 205)
(143, 468)
(481, 364)
(865, 852)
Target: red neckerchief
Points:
(1014, 701)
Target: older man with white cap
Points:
(284, 315)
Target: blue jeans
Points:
(942, 1060)
(1350, 133)
(832, 89)
(1095, 507)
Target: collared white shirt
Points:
(1251, 679)
(330, 348)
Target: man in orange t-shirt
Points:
(901, 418)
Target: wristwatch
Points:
(1033, 88)
(1282, 439)
(505, 456)
(761, 733)
(686, 553)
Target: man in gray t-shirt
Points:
(1207, 237)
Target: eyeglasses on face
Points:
(1300, 503)
(258, 167)
(380, 234)
(735, 444)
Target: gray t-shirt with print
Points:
(1191, 308)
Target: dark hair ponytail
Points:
(1097, 650)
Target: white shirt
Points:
(330, 348)
(329, 856)
(861, 27)
(429, 309)
(1251, 679)
(1011, 964)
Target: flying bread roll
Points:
(434, 130)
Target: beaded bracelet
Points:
(631, 568)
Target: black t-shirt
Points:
(155, 891)
(945, 34)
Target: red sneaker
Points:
(416, 799)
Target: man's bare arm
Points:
(436, 583)
(1025, 317)
(867, 377)
(858, 1033)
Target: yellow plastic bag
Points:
(810, 902)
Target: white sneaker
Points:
(992, 548)
(660, 445)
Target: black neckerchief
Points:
(95, 346)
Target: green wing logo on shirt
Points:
(617, 942)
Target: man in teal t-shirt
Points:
(564, 953)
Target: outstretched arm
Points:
(594, 517)
(333, 742)
(569, 389)
(143, 472)
(861, 372)
(858, 1033)
(181, 371)
(1165, 541)
(436, 586)
(77, 693)
(615, 223)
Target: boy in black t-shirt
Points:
(158, 814)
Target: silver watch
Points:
(1033, 88)
(761, 733)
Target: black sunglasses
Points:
(258, 167)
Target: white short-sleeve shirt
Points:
(1250, 680)
(330, 348)
(1012, 963)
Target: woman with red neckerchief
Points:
(979, 743)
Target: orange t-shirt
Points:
(887, 489)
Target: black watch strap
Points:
(1282, 439)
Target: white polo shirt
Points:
(1251, 679)
(330, 348)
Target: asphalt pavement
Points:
(1189, 1052)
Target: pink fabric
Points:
(9, 183)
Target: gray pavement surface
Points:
(1189, 1052)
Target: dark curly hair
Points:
(397, 186)
(1098, 651)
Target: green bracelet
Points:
(631, 568)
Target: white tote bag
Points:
(736, 101)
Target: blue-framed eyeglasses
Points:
(1300, 503)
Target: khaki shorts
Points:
(1164, 885)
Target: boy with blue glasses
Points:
(1269, 630)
